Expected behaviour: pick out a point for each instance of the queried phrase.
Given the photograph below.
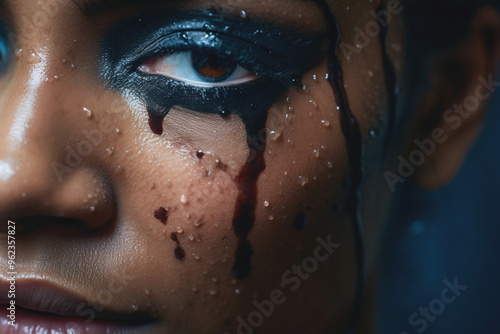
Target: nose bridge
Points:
(23, 100)
(26, 121)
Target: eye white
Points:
(178, 66)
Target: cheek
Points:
(178, 194)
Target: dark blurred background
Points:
(447, 234)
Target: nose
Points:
(36, 186)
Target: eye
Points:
(199, 68)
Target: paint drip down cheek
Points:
(276, 71)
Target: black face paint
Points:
(355, 148)
(278, 56)
(391, 81)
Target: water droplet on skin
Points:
(184, 199)
(135, 308)
(147, 292)
(315, 77)
(33, 57)
(266, 204)
(270, 218)
(196, 257)
(303, 181)
(215, 279)
(73, 66)
(110, 151)
(274, 135)
(88, 113)
(194, 289)
(179, 230)
(191, 237)
(64, 61)
(237, 291)
(316, 153)
(184, 36)
(330, 164)
(370, 74)
(118, 131)
(92, 208)
(213, 292)
(119, 170)
(314, 103)
(325, 123)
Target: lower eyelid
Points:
(210, 84)
(152, 67)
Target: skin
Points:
(100, 218)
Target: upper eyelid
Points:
(159, 28)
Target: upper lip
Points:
(44, 297)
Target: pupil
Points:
(212, 68)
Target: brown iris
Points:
(211, 67)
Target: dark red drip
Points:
(355, 148)
(179, 252)
(244, 216)
(162, 215)
(156, 123)
(390, 79)
(200, 154)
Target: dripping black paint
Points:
(355, 147)
(278, 56)
(179, 252)
(391, 81)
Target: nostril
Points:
(84, 203)
(36, 224)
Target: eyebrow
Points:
(97, 7)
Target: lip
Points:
(43, 307)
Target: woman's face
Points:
(181, 164)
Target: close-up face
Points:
(196, 166)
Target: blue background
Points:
(443, 234)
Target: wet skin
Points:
(160, 193)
